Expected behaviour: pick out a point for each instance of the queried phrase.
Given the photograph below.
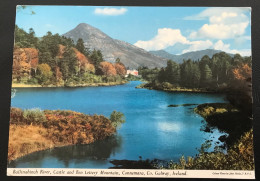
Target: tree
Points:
(90, 68)
(172, 72)
(120, 69)
(69, 63)
(220, 66)
(96, 57)
(242, 72)
(31, 38)
(117, 118)
(206, 75)
(80, 46)
(107, 69)
(44, 73)
(50, 43)
(118, 60)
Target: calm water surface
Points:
(152, 129)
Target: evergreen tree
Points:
(80, 46)
(96, 57)
(172, 72)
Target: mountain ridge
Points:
(130, 55)
(193, 55)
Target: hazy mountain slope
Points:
(196, 55)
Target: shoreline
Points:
(177, 89)
(18, 85)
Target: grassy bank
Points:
(34, 130)
(170, 88)
(23, 85)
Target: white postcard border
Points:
(149, 173)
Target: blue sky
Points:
(175, 29)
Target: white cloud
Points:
(224, 23)
(220, 45)
(198, 45)
(110, 11)
(165, 37)
(49, 25)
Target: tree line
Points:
(219, 71)
(61, 61)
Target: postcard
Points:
(124, 91)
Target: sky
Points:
(175, 29)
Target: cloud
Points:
(198, 45)
(220, 45)
(165, 37)
(110, 11)
(49, 25)
(224, 23)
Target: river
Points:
(152, 129)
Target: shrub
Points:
(16, 115)
(117, 118)
(32, 81)
(34, 116)
(166, 85)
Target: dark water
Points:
(152, 129)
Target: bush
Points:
(117, 118)
(16, 116)
(166, 85)
(32, 81)
(34, 116)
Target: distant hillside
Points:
(196, 55)
(130, 55)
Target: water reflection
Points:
(66, 157)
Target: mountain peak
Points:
(83, 26)
(130, 55)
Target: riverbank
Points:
(35, 130)
(22, 85)
(226, 118)
(169, 88)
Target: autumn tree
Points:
(107, 69)
(44, 73)
(242, 88)
(120, 69)
(242, 72)
(89, 68)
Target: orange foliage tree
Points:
(107, 68)
(242, 72)
(24, 59)
(120, 69)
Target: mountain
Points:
(130, 55)
(196, 55)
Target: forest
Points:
(55, 60)
(220, 71)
